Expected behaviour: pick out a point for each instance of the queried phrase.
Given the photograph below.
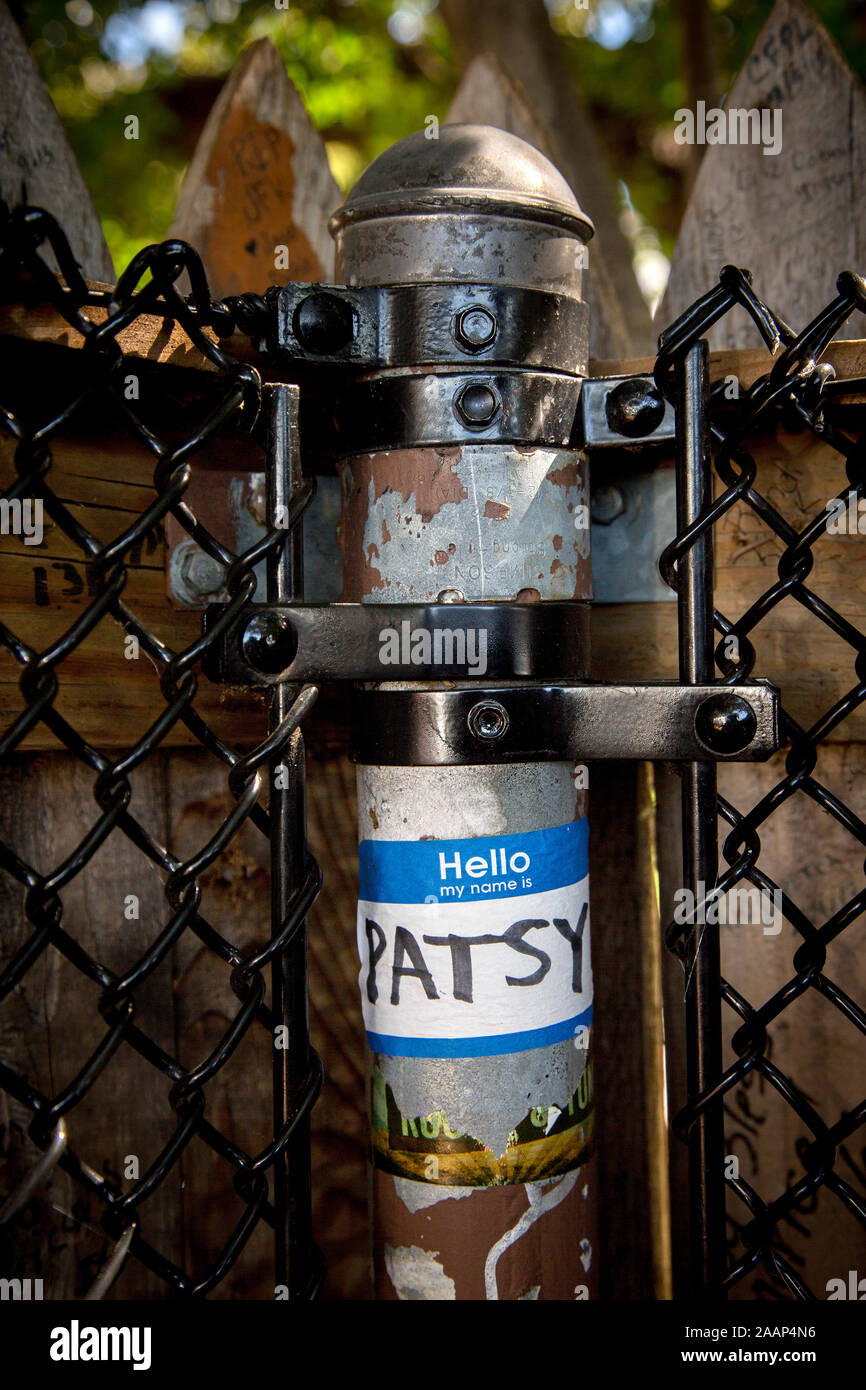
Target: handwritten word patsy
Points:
(406, 947)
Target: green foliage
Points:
(363, 87)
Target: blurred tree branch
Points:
(697, 40)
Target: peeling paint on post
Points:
(487, 521)
(475, 976)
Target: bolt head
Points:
(269, 643)
(606, 504)
(488, 720)
(634, 408)
(475, 328)
(477, 404)
(323, 323)
(201, 574)
(726, 723)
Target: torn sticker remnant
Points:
(548, 1141)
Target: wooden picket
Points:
(795, 217)
(258, 184)
(36, 162)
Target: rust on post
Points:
(482, 1121)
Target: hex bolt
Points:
(323, 323)
(269, 642)
(725, 723)
(488, 720)
(634, 407)
(477, 404)
(606, 504)
(257, 502)
(200, 574)
(475, 328)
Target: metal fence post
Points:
(288, 852)
(702, 960)
(482, 1119)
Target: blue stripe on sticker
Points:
(503, 866)
(478, 1047)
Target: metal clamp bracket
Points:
(432, 409)
(269, 643)
(386, 326)
(564, 723)
(623, 412)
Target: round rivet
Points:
(726, 723)
(323, 323)
(477, 404)
(475, 328)
(269, 643)
(488, 720)
(634, 408)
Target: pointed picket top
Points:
(795, 218)
(489, 94)
(37, 165)
(258, 192)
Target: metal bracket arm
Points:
(270, 643)
(561, 723)
(619, 412)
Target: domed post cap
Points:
(469, 168)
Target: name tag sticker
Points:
(473, 948)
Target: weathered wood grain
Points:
(258, 184)
(37, 165)
(236, 901)
(259, 180)
(820, 866)
(51, 1024)
(147, 336)
(796, 218)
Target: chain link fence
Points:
(259, 1179)
(271, 1183)
(800, 392)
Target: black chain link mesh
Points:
(149, 286)
(797, 387)
(798, 392)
